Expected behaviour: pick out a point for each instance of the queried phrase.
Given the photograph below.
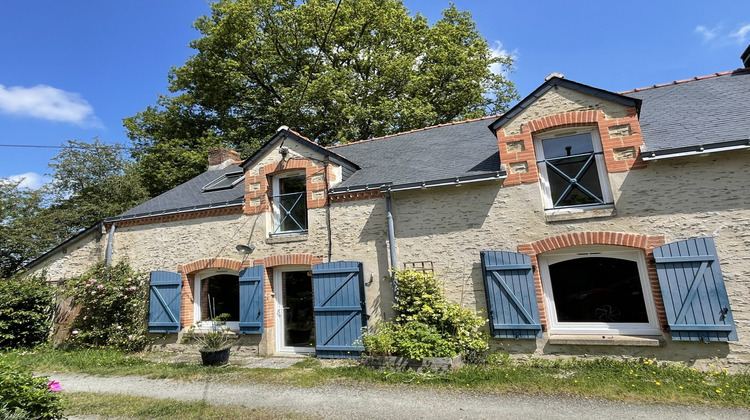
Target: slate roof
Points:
(704, 111)
(465, 150)
(190, 196)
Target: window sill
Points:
(606, 340)
(282, 238)
(562, 215)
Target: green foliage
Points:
(263, 63)
(427, 325)
(216, 338)
(112, 301)
(92, 181)
(26, 306)
(25, 230)
(25, 397)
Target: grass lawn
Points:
(643, 381)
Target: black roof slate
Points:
(694, 112)
(448, 151)
(190, 196)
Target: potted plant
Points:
(214, 343)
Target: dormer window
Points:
(225, 181)
(289, 203)
(572, 170)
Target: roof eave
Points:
(390, 187)
(704, 149)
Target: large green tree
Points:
(24, 232)
(335, 70)
(92, 181)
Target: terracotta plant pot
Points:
(218, 357)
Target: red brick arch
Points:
(289, 259)
(188, 272)
(552, 243)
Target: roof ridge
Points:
(692, 79)
(416, 130)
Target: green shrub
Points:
(26, 306)
(112, 301)
(426, 325)
(23, 396)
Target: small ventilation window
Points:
(225, 181)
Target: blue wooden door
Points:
(340, 316)
(692, 286)
(511, 296)
(251, 300)
(165, 298)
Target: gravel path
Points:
(392, 402)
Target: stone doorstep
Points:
(438, 364)
(606, 340)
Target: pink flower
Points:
(100, 287)
(54, 386)
(92, 281)
(129, 279)
(131, 288)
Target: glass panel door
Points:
(294, 312)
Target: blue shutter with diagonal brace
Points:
(692, 287)
(511, 295)
(165, 297)
(251, 300)
(340, 316)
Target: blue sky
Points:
(72, 70)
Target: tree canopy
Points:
(336, 71)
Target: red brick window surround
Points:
(620, 138)
(258, 188)
(628, 240)
(188, 272)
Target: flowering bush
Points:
(25, 311)
(426, 325)
(112, 301)
(23, 396)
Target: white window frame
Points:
(276, 190)
(206, 326)
(650, 328)
(601, 168)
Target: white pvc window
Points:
(598, 290)
(289, 203)
(216, 290)
(572, 170)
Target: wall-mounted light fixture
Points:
(245, 249)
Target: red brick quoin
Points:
(269, 320)
(188, 272)
(630, 140)
(644, 242)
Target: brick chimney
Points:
(745, 57)
(220, 158)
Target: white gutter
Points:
(649, 156)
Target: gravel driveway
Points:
(388, 402)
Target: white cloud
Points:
(498, 51)
(47, 103)
(741, 34)
(30, 180)
(706, 33)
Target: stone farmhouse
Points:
(581, 222)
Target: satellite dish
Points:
(245, 249)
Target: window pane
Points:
(589, 179)
(221, 295)
(298, 309)
(293, 198)
(597, 289)
(567, 146)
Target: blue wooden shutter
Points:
(251, 300)
(165, 297)
(339, 296)
(511, 295)
(692, 287)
